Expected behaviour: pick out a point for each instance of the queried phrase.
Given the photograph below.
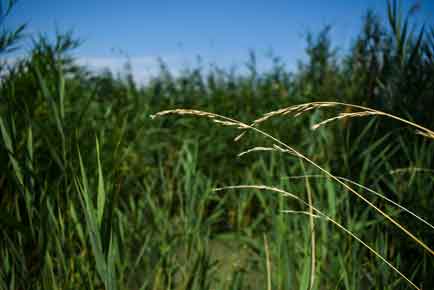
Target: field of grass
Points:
(187, 183)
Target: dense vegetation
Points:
(94, 194)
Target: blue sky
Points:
(221, 32)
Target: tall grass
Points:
(282, 147)
(94, 194)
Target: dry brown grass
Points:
(300, 109)
(285, 148)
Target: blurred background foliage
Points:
(96, 195)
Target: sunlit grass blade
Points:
(319, 212)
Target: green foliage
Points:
(9, 38)
(136, 209)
